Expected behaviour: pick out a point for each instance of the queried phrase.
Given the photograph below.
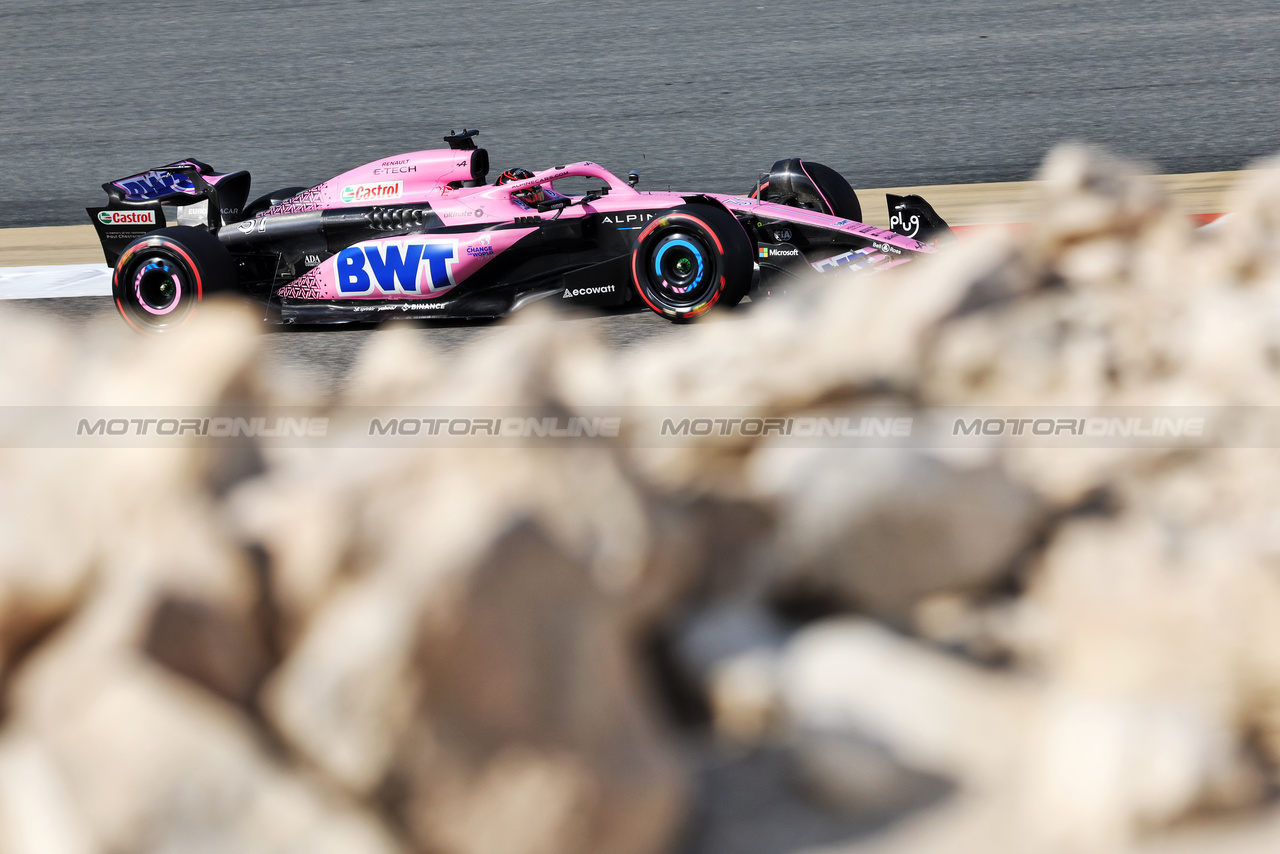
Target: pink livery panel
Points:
(410, 267)
(403, 179)
(889, 242)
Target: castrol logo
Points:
(127, 217)
(379, 192)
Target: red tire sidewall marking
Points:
(635, 273)
(173, 247)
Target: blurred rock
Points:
(882, 528)
(931, 712)
(476, 650)
(37, 812)
(860, 777)
(532, 676)
(157, 762)
(727, 629)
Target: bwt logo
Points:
(402, 267)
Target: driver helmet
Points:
(513, 175)
(531, 196)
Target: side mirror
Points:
(554, 204)
(633, 178)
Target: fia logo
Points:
(403, 266)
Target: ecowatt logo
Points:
(127, 217)
(584, 292)
(372, 192)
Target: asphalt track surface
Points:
(322, 357)
(694, 95)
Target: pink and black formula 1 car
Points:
(422, 235)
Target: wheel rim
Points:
(157, 286)
(681, 267)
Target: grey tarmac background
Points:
(322, 357)
(698, 95)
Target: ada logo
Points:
(357, 193)
(127, 217)
(397, 267)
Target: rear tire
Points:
(690, 259)
(162, 277)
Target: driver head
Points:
(513, 175)
(530, 197)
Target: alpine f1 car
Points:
(423, 235)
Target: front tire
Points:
(690, 259)
(162, 277)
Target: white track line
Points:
(71, 280)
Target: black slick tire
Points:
(690, 259)
(161, 278)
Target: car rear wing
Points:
(185, 182)
(135, 203)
